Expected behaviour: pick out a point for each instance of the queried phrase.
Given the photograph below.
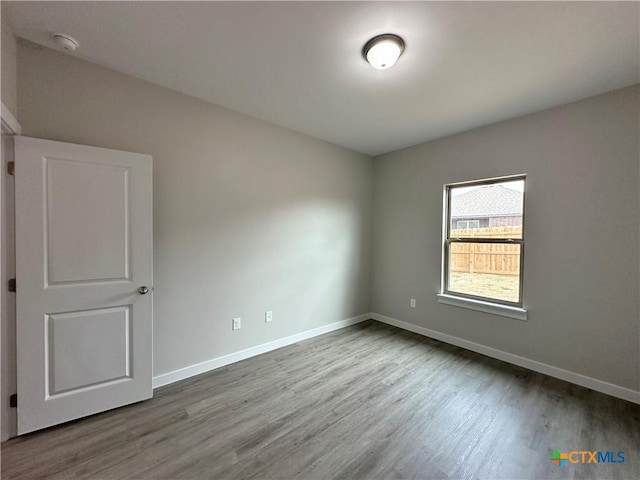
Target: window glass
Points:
(484, 241)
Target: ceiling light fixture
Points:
(383, 51)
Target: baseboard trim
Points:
(572, 377)
(186, 372)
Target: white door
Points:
(84, 280)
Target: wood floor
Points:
(369, 401)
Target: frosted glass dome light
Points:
(383, 51)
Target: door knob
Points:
(143, 290)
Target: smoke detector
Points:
(65, 41)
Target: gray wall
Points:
(252, 217)
(248, 216)
(581, 277)
(8, 67)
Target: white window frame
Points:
(484, 304)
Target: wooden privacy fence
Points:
(493, 258)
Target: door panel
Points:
(87, 348)
(83, 248)
(87, 222)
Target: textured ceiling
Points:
(299, 64)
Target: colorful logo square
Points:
(559, 458)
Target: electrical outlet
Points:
(268, 316)
(412, 303)
(236, 323)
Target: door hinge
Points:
(11, 168)
(13, 401)
(11, 285)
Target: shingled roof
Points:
(487, 201)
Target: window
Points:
(483, 243)
(461, 224)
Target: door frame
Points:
(8, 368)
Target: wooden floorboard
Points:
(366, 402)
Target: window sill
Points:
(486, 307)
